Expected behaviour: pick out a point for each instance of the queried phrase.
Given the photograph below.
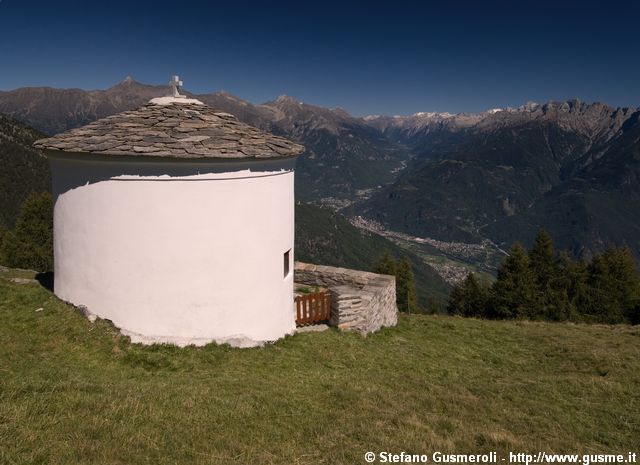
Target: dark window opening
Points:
(287, 261)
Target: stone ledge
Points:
(361, 301)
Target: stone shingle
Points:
(178, 130)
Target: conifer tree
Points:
(542, 260)
(513, 293)
(623, 269)
(3, 233)
(551, 292)
(30, 245)
(385, 264)
(572, 287)
(468, 298)
(434, 305)
(634, 317)
(406, 295)
(614, 287)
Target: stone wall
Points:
(360, 301)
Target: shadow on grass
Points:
(45, 280)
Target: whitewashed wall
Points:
(179, 252)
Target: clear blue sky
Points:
(391, 57)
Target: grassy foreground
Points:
(72, 392)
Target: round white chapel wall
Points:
(185, 253)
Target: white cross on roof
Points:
(175, 83)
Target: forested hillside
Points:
(569, 167)
(326, 237)
(23, 169)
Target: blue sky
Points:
(390, 57)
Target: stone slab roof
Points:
(175, 129)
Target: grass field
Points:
(72, 392)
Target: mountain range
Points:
(322, 235)
(569, 167)
(343, 154)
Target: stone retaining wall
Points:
(360, 301)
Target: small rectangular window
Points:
(287, 261)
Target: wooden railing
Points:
(313, 308)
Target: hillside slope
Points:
(74, 392)
(327, 238)
(23, 169)
(568, 167)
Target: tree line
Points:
(536, 284)
(406, 295)
(541, 284)
(30, 244)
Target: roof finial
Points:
(175, 83)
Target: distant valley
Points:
(322, 235)
(429, 180)
(569, 167)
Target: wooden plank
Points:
(327, 303)
(312, 308)
(327, 306)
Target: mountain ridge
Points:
(499, 174)
(569, 167)
(343, 154)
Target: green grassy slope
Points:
(73, 392)
(327, 238)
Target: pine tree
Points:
(551, 293)
(434, 305)
(406, 296)
(571, 283)
(30, 245)
(385, 264)
(3, 233)
(623, 269)
(634, 317)
(513, 294)
(468, 298)
(614, 287)
(542, 260)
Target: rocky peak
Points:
(127, 83)
(285, 100)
